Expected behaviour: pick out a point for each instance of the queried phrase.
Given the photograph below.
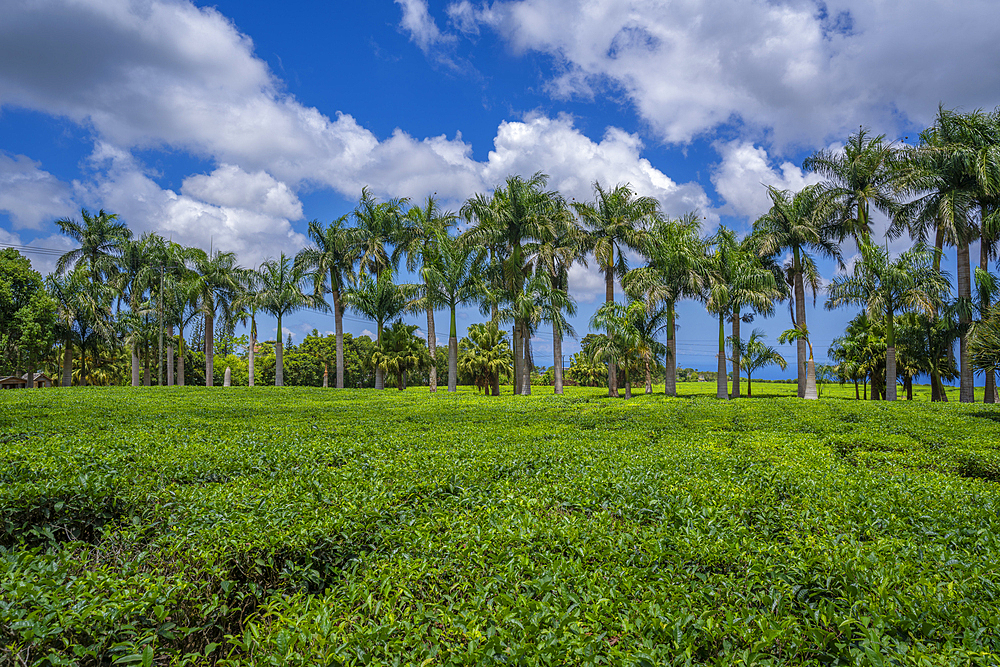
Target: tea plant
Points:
(272, 526)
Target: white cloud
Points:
(745, 170)
(799, 70)
(30, 195)
(230, 186)
(573, 161)
(418, 22)
(369, 333)
(124, 187)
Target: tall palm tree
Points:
(866, 173)
(737, 280)
(512, 221)
(538, 302)
(333, 254)
(100, 237)
(245, 306)
(421, 228)
(798, 224)
(884, 286)
(677, 269)
(214, 284)
(755, 354)
(380, 299)
(377, 231)
(563, 246)
(955, 168)
(281, 290)
(615, 220)
(452, 276)
(138, 265)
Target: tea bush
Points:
(274, 526)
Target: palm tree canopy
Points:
(331, 255)
(866, 173)
(100, 237)
(377, 227)
(616, 218)
(281, 287)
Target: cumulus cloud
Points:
(800, 70)
(230, 186)
(122, 185)
(743, 172)
(30, 195)
(573, 162)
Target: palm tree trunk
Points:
(67, 375)
(432, 348)
(135, 364)
(526, 366)
(145, 364)
(379, 373)
(210, 349)
(749, 386)
(338, 317)
(966, 380)
(453, 354)
(518, 357)
(857, 395)
(279, 368)
(736, 356)
(557, 369)
(990, 390)
(721, 386)
(609, 297)
(180, 355)
(628, 386)
(326, 375)
(811, 381)
(800, 322)
(30, 375)
(252, 351)
(170, 355)
(890, 355)
(670, 370)
(908, 384)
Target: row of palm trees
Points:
(519, 243)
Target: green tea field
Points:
(292, 526)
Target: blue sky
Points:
(235, 123)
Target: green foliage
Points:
(297, 526)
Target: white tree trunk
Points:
(135, 366)
(810, 388)
(890, 374)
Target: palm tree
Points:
(756, 354)
(245, 307)
(281, 291)
(421, 228)
(737, 280)
(797, 223)
(517, 216)
(333, 254)
(866, 173)
(62, 287)
(138, 264)
(677, 270)
(955, 169)
(555, 255)
(884, 287)
(85, 306)
(100, 237)
(486, 356)
(400, 352)
(379, 299)
(451, 274)
(214, 285)
(377, 226)
(620, 344)
(614, 221)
